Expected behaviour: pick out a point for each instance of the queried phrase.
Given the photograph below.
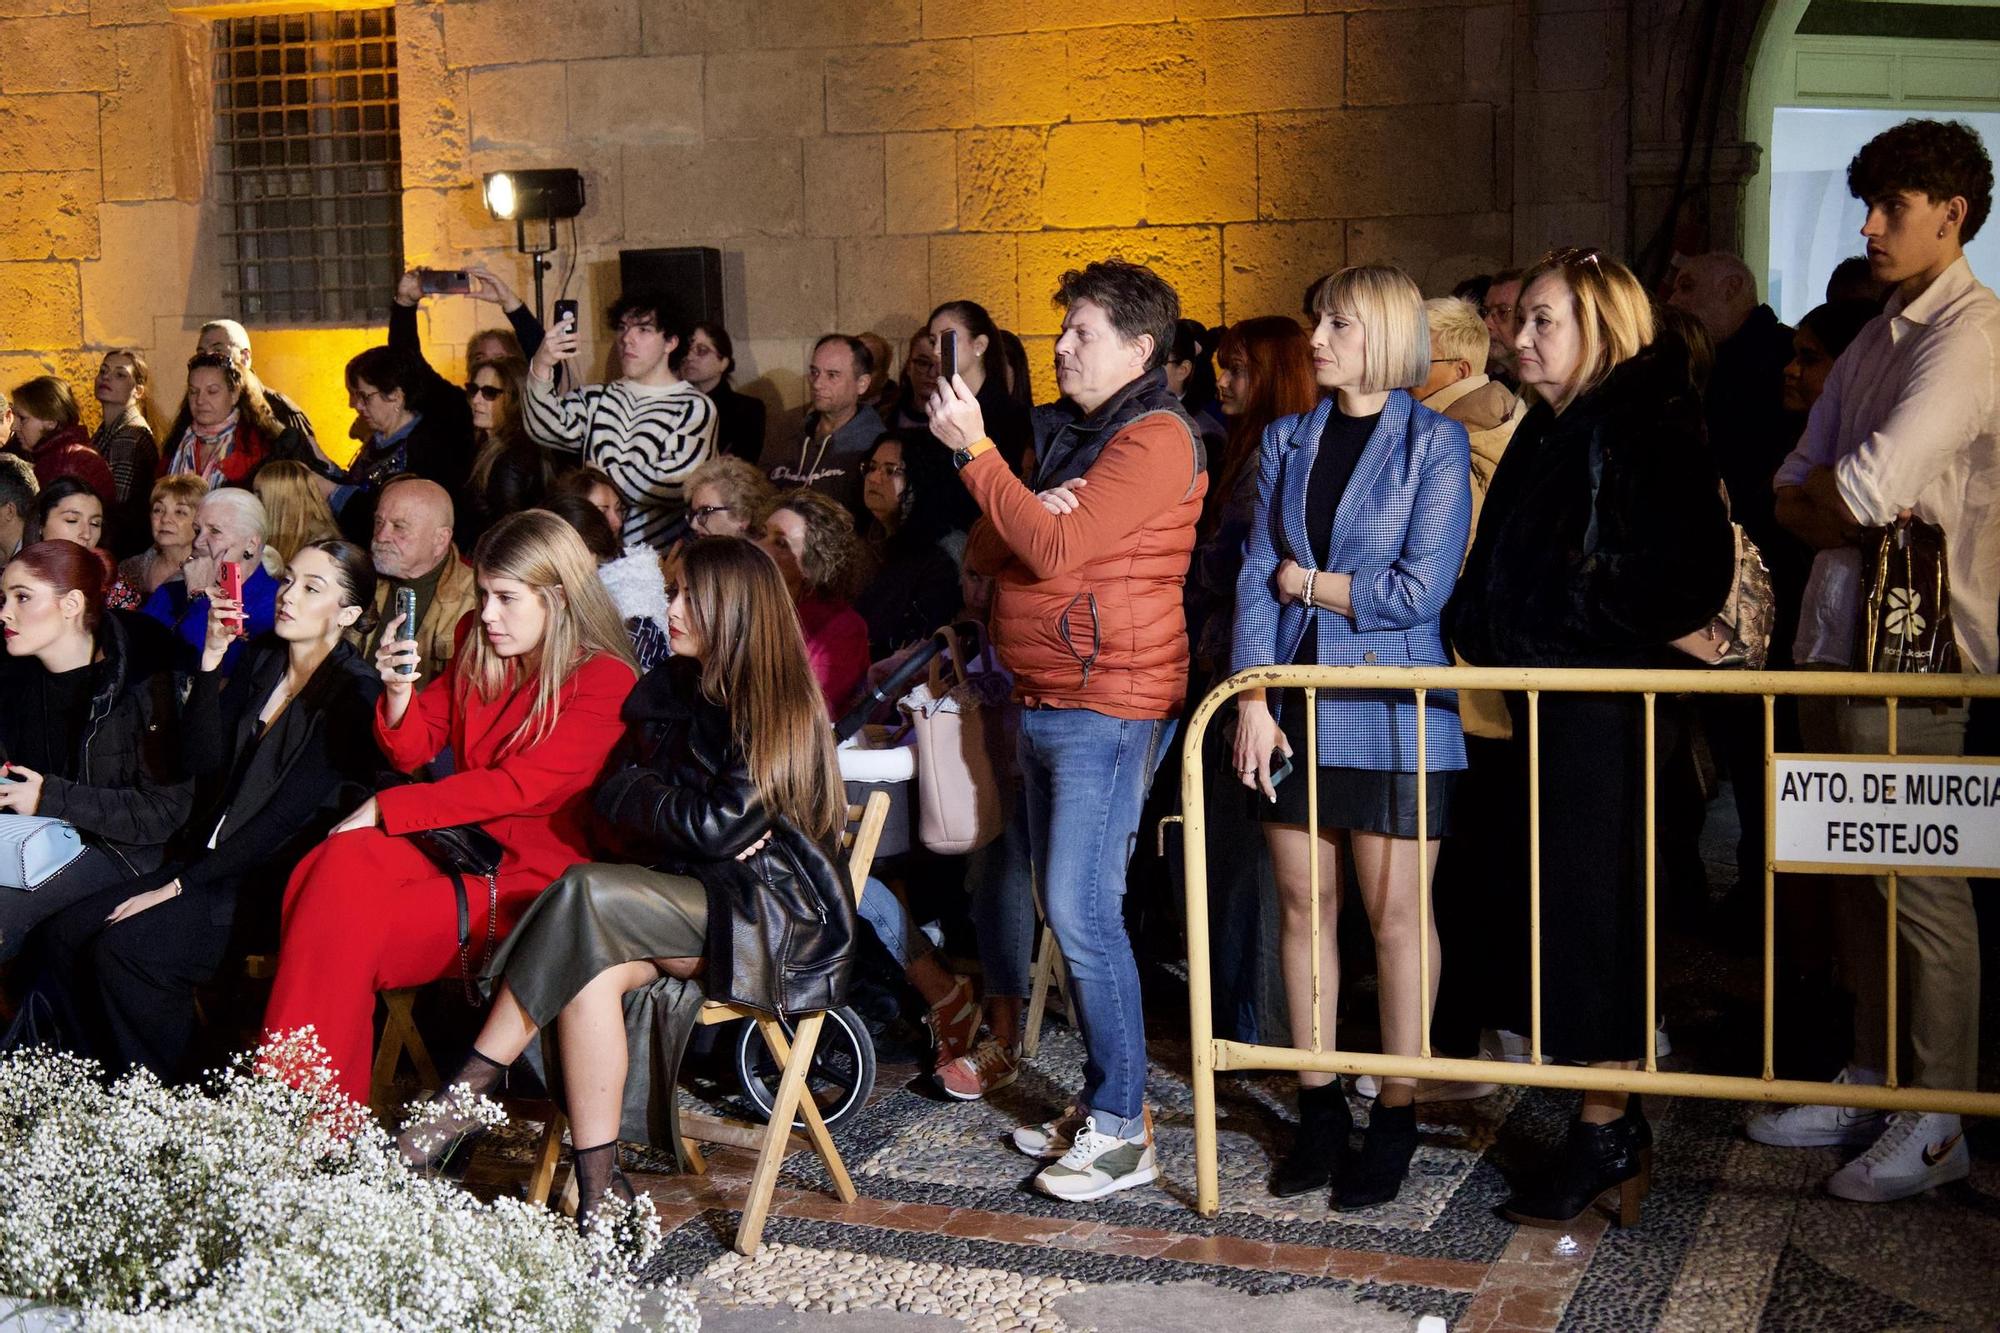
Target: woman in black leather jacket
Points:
(88, 726)
(736, 808)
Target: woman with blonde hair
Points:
(1603, 542)
(1363, 506)
(726, 793)
(296, 512)
(529, 707)
(726, 497)
(175, 501)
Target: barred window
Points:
(309, 161)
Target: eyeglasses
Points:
(893, 471)
(490, 392)
(1497, 311)
(706, 512)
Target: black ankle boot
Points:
(1318, 1146)
(1593, 1160)
(1386, 1148)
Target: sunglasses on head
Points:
(490, 392)
(1574, 256)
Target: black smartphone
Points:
(406, 607)
(444, 281)
(948, 356)
(1281, 767)
(565, 311)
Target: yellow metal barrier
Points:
(1211, 1055)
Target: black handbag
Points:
(461, 850)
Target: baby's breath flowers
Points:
(262, 1200)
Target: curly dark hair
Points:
(834, 560)
(1942, 158)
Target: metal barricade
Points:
(1211, 1055)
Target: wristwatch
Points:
(960, 457)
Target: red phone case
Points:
(231, 581)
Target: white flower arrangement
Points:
(263, 1199)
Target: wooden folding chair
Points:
(1050, 979)
(399, 1038)
(774, 1139)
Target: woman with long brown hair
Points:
(726, 806)
(296, 512)
(510, 472)
(529, 707)
(230, 429)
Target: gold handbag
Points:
(1906, 614)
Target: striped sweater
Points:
(646, 439)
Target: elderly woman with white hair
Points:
(229, 529)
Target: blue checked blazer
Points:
(1400, 531)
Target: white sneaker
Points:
(1917, 1152)
(1051, 1138)
(1430, 1091)
(1099, 1164)
(1662, 1047)
(1500, 1044)
(1819, 1126)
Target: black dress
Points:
(1364, 800)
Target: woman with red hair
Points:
(1263, 371)
(89, 724)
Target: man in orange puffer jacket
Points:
(1088, 563)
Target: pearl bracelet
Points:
(1311, 574)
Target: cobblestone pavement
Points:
(947, 1234)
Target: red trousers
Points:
(367, 912)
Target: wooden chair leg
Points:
(547, 1154)
(399, 1038)
(697, 1163)
(822, 1137)
(750, 1233)
(1046, 962)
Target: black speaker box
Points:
(689, 276)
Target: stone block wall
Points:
(855, 163)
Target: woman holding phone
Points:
(726, 791)
(529, 707)
(1363, 507)
(282, 749)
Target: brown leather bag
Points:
(1906, 614)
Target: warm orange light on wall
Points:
(307, 365)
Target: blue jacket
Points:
(187, 617)
(1400, 531)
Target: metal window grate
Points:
(309, 150)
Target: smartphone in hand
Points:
(444, 281)
(229, 583)
(948, 356)
(406, 606)
(1281, 767)
(565, 313)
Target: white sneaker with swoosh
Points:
(1917, 1152)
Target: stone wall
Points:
(856, 163)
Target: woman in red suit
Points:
(530, 710)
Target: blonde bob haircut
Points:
(538, 549)
(1614, 317)
(1389, 306)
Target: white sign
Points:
(1887, 812)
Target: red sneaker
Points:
(992, 1065)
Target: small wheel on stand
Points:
(842, 1075)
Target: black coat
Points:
(681, 798)
(1541, 588)
(128, 795)
(312, 769)
(739, 423)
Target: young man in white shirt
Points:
(1909, 424)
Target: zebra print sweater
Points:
(647, 439)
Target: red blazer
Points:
(533, 798)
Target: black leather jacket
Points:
(680, 798)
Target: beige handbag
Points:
(959, 718)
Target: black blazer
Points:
(739, 423)
(780, 924)
(313, 768)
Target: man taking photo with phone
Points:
(648, 430)
(1088, 564)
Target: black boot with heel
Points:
(1319, 1145)
(1593, 1161)
(1384, 1161)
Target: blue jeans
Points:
(902, 937)
(1085, 776)
(1003, 907)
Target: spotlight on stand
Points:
(544, 195)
